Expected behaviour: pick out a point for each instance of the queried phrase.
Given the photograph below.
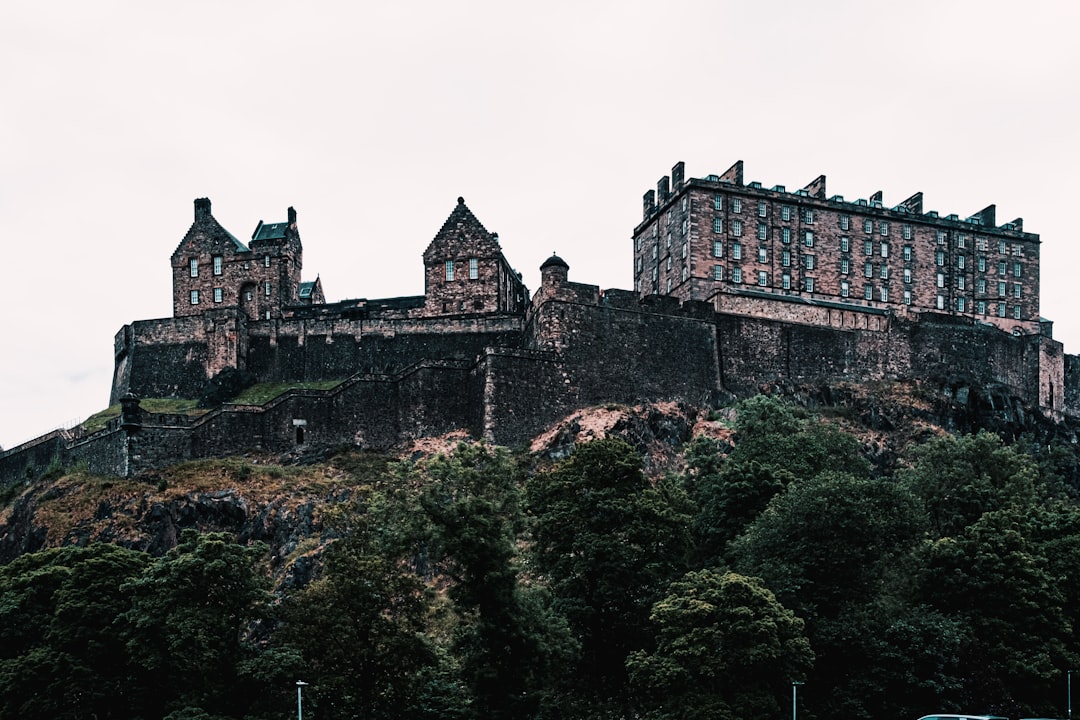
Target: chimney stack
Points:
(202, 209)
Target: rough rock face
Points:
(282, 501)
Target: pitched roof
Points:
(270, 231)
(463, 227)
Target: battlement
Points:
(737, 287)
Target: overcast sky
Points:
(551, 119)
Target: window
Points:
(1016, 269)
(762, 231)
(883, 273)
(193, 268)
(868, 292)
(940, 237)
(868, 269)
(718, 225)
(718, 248)
(218, 296)
(474, 268)
(845, 266)
(961, 306)
(762, 255)
(808, 238)
(717, 272)
(1017, 251)
(785, 235)
(266, 289)
(449, 270)
(883, 228)
(1001, 249)
(980, 307)
(736, 205)
(1001, 267)
(266, 261)
(685, 225)
(1016, 290)
(960, 261)
(736, 251)
(906, 231)
(809, 284)
(194, 297)
(718, 202)
(685, 203)
(785, 258)
(668, 290)
(809, 262)
(845, 288)
(845, 244)
(1001, 309)
(685, 272)
(655, 250)
(1016, 312)
(940, 258)
(845, 222)
(907, 253)
(785, 213)
(736, 275)
(961, 241)
(868, 226)
(960, 284)
(883, 294)
(884, 249)
(668, 266)
(980, 244)
(736, 228)
(808, 216)
(785, 281)
(980, 286)
(941, 280)
(907, 297)
(1001, 289)
(762, 208)
(762, 278)
(868, 247)
(907, 275)
(217, 264)
(940, 304)
(981, 263)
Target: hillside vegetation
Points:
(649, 562)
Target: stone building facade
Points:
(476, 352)
(734, 244)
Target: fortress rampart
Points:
(471, 354)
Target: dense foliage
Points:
(481, 585)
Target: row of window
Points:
(219, 294)
(474, 269)
(216, 265)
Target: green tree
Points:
(360, 630)
(999, 584)
(608, 542)
(509, 642)
(61, 625)
(193, 615)
(725, 649)
(960, 478)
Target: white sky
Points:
(552, 121)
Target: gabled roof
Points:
(207, 226)
(270, 231)
(463, 229)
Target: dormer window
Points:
(193, 267)
(449, 270)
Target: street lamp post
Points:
(300, 699)
(795, 699)
(1068, 691)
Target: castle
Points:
(735, 287)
